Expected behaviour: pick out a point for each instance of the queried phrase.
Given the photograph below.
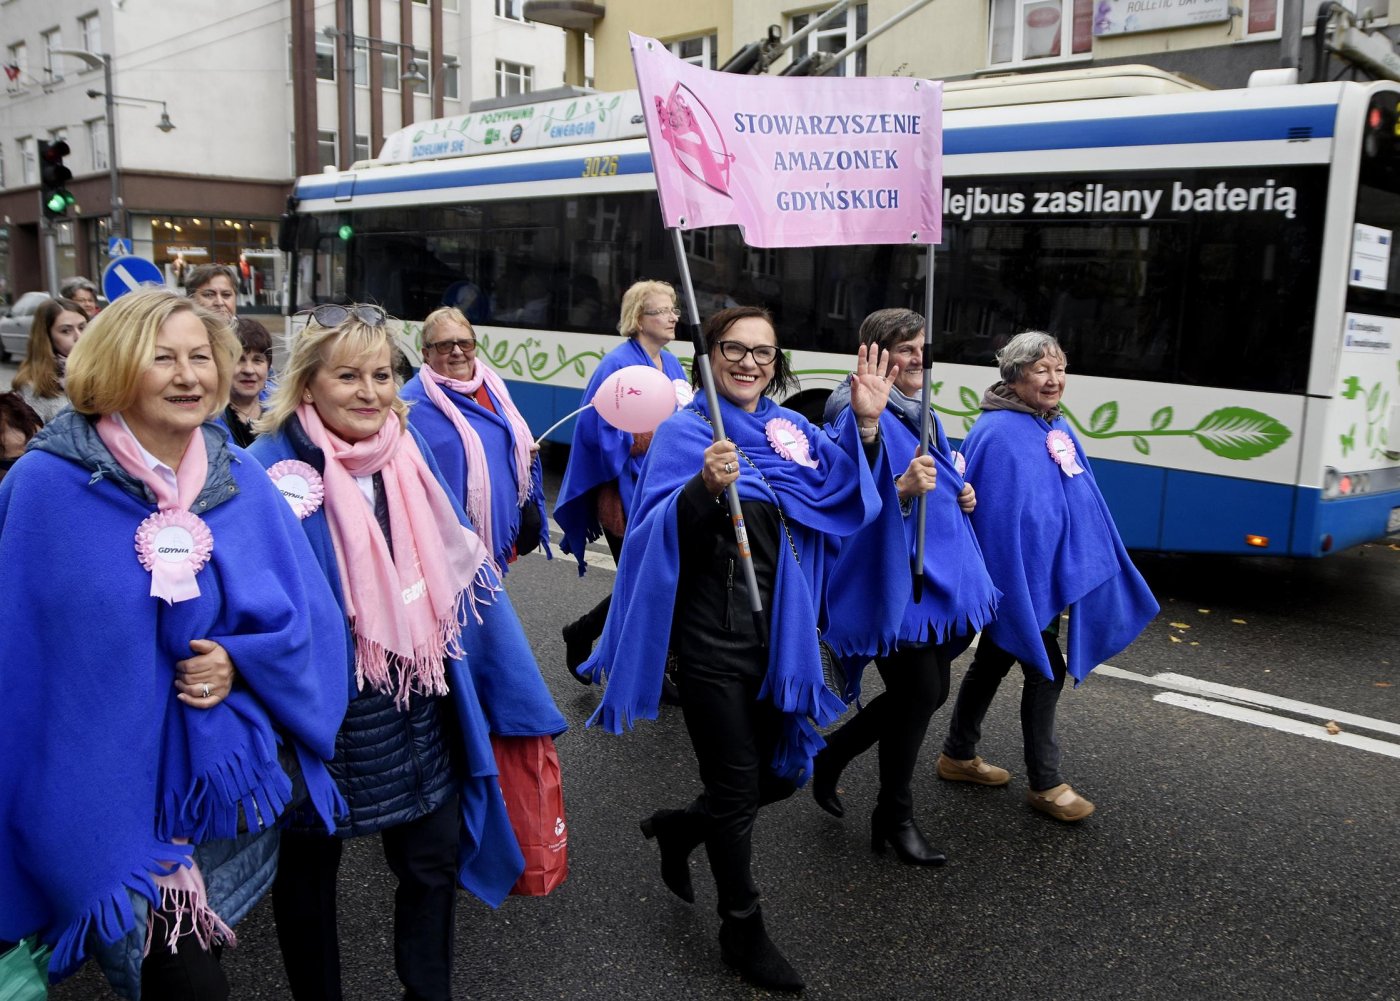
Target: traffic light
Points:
(54, 178)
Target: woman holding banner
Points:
(596, 496)
(957, 598)
(747, 703)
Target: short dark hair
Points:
(783, 381)
(19, 415)
(206, 273)
(253, 336)
(888, 328)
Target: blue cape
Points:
(498, 442)
(496, 687)
(100, 765)
(1050, 544)
(601, 454)
(819, 506)
(958, 596)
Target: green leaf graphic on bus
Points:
(1104, 417)
(969, 398)
(1240, 433)
(1161, 420)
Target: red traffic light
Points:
(55, 150)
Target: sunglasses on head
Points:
(333, 315)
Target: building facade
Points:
(257, 94)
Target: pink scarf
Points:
(406, 607)
(189, 478)
(478, 472)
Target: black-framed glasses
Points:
(763, 354)
(445, 348)
(332, 314)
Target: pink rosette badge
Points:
(960, 462)
(300, 484)
(1062, 450)
(174, 545)
(790, 442)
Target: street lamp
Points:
(415, 75)
(165, 124)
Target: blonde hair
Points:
(447, 314)
(311, 351)
(106, 365)
(634, 300)
(40, 370)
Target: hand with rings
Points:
(204, 679)
(721, 466)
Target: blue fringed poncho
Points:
(498, 442)
(820, 506)
(958, 595)
(100, 765)
(601, 454)
(495, 687)
(1050, 544)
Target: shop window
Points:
(1037, 30)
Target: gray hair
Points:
(77, 283)
(886, 328)
(1023, 351)
(206, 273)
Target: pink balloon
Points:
(635, 399)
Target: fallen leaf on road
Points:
(1194, 643)
(1174, 639)
(1382, 684)
(1204, 611)
(1238, 622)
(1333, 728)
(1180, 625)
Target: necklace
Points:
(244, 414)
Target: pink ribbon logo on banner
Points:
(794, 161)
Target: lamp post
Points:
(94, 60)
(415, 75)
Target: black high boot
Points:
(745, 947)
(904, 836)
(826, 771)
(677, 834)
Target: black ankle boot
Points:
(745, 947)
(677, 834)
(577, 649)
(905, 838)
(824, 778)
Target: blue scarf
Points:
(958, 596)
(499, 691)
(101, 767)
(498, 442)
(819, 506)
(601, 454)
(1050, 544)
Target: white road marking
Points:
(1257, 717)
(1182, 683)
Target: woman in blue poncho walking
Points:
(749, 709)
(1050, 544)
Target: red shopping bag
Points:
(534, 795)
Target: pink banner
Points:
(793, 161)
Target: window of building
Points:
(389, 68)
(28, 161)
(325, 58)
(699, 50)
(52, 39)
(361, 64)
(513, 78)
(97, 142)
(18, 61)
(1035, 30)
(451, 80)
(834, 36)
(361, 146)
(512, 9)
(90, 32)
(325, 148)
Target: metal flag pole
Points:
(916, 566)
(707, 380)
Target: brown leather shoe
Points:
(972, 770)
(1061, 802)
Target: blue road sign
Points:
(118, 246)
(126, 274)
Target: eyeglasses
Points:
(763, 354)
(333, 315)
(445, 348)
(668, 311)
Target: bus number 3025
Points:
(599, 166)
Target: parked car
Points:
(14, 329)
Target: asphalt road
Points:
(1227, 858)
